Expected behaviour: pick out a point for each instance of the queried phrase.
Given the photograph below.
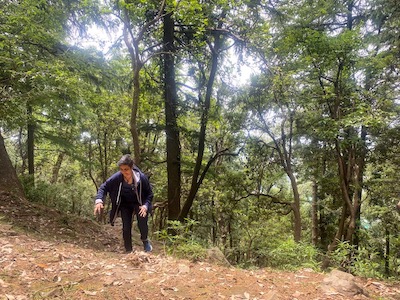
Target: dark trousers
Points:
(127, 210)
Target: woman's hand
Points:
(98, 208)
(143, 211)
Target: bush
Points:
(179, 241)
(72, 198)
(358, 262)
(292, 255)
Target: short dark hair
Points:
(126, 160)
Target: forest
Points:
(268, 129)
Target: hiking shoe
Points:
(147, 246)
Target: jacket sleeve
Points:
(102, 192)
(147, 192)
(106, 188)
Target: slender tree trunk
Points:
(90, 156)
(9, 182)
(171, 126)
(338, 236)
(105, 142)
(203, 126)
(22, 151)
(359, 179)
(344, 170)
(57, 167)
(324, 239)
(132, 41)
(314, 213)
(31, 145)
(285, 153)
(214, 222)
(134, 115)
(296, 207)
(136, 65)
(387, 252)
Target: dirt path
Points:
(45, 255)
(38, 269)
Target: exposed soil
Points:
(46, 255)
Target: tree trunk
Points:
(57, 167)
(350, 157)
(345, 188)
(105, 145)
(22, 151)
(137, 55)
(9, 182)
(31, 145)
(204, 120)
(323, 235)
(296, 207)
(284, 149)
(338, 236)
(171, 126)
(387, 252)
(314, 213)
(134, 113)
(214, 226)
(359, 182)
(136, 64)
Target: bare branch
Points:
(212, 159)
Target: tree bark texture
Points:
(314, 214)
(57, 167)
(9, 181)
(171, 126)
(31, 144)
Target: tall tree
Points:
(39, 67)
(215, 49)
(208, 40)
(330, 45)
(171, 124)
(139, 33)
(273, 104)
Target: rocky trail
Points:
(46, 255)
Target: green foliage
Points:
(330, 75)
(359, 262)
(70, 198)
(288, 254)
(180, 242)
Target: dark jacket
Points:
(113, 185)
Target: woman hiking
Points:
(130, 192)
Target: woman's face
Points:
(126, 171)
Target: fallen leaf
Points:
(164, 293)
(90, 293)
(3, 283)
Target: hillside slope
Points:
(46, 255)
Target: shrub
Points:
(292, 255)
(72, 198)
(358, 262)
(179, 241)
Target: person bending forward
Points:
(130, 192)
